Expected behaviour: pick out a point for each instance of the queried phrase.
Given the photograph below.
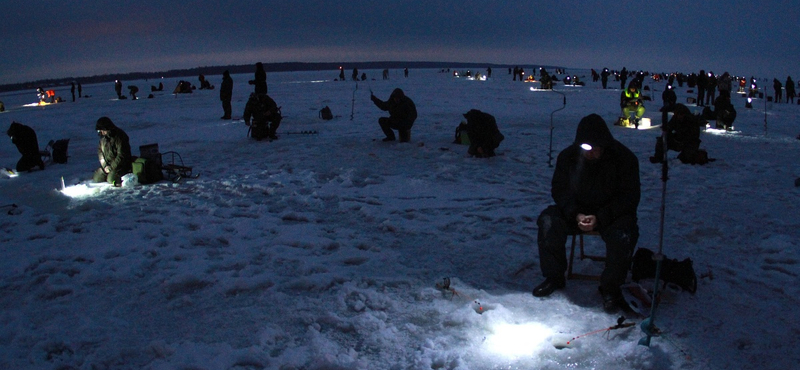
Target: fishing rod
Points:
(648, 325)
(552, 127)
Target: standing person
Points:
(266, 117)
(724, 83)
(341, 73)
(702, 83)
(488, 72)
(72, 90)
(118, 88)
(355, 74)
(226, 93)
(711, 88)
(402, 114)
(790, 92)
(113, 151)
(260, 80)
(778, 87)
(604, 77)
(27, 144)
(595, 187)
(623, 77)
(405, 72)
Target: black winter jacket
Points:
(608, 188)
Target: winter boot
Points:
(658, 157)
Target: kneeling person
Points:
(266, 116)
(25, 139)
(402, 114)
(484, 136)
(114, 153)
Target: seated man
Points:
(402, 114)
(596, 188)
(682, 135)
(28, 145)
(724, 111)
(484, 136)
(114, 153)
(631, 102)
(266, 116)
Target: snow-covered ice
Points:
(323, 251)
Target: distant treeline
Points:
(250, 68)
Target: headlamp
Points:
(586, 146)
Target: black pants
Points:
(28, 162)
(620, 238)
(388, 124)
(226, 107)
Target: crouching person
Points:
(484, 136)
(114, 152)
(682, 135)
(596, 187)
(402, 114)
(265, 114)
(25, 139)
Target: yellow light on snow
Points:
(517, 340)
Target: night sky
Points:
(60, 39)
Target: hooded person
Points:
(682, 134)
(265, 114)
(484, 136)
(25, 139)
(113, 151)
(595, 187)
(402, 114)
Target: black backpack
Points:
(325, 113)
(59, 148)
(673, 271)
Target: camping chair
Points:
(579, 238)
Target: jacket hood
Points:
(473, 113)
(593, 130)
(397, 93)
(104, 123)
(13, 130)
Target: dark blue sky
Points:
(84, 38)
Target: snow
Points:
(324, 251)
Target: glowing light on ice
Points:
(510, 340)
(84, 190)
